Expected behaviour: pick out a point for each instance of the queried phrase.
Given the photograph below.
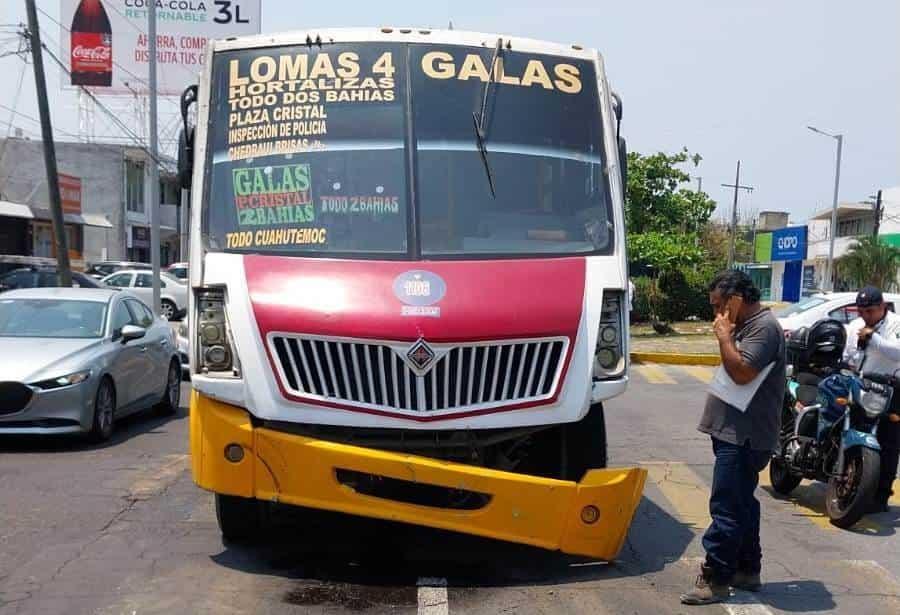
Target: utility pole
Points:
(699, 184)
(877, 214)
(834, 205)
(154, 155)
(59, 228)
(737, 186)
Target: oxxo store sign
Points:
(789, 244)
(786, 252)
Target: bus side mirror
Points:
(623, 163)
(185, 158)
(186, 139)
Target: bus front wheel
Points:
(240, 519)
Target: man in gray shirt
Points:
(750, 340)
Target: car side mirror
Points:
(132, 332)
(623, 164)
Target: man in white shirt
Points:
(878, 331)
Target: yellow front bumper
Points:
(302, 471)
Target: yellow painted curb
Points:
(674, 358)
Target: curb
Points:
(675, 358)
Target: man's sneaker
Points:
(748, 581)
(706, 589)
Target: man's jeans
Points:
(732, 540)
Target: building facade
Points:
(111, 220)
(792, 261)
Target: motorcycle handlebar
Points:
(885, 379)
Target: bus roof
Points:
(404, 35)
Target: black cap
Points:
(869, 296)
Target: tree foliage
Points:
(870, 261)
(657, 199)
(663, 252)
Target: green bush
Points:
(674, 296)
(686, 295)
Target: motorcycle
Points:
(830, 422)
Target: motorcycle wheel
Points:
(846, 501)
(782, 479)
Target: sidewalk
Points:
(691, 338)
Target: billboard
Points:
(789, 244)
(105, 43)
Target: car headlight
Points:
(609, 353)
(63, 381)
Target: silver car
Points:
(72, 360)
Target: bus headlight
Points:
(216, 355)
(609, 353)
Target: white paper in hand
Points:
(734, 394)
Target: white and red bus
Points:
(409, 283)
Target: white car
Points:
(184, 349)
(809, 310)
(173, 294)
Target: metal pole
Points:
(834, 205)
(877, 214)
(737, 183)
(154, 154)
(56, 214)
(183, 226)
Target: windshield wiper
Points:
(478, 118)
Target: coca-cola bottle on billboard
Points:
(91, 45)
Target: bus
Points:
(408, 283)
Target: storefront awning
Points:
(88, 220)
(15, 210)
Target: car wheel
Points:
(168, 405)
(167, 309)
(104, 412)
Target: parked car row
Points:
(173, 293)
(42, 277)
(84, 357)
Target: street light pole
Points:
(837, 180)
(154, 155)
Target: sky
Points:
(727, 80)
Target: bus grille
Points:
(378, 375)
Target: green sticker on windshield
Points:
(273, 195)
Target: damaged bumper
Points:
(589, 518)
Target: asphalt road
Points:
(121, 529)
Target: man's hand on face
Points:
(723, 326)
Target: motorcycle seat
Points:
(808, 378)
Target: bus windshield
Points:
(371, 150)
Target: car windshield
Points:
(370, 149)
(800, 307)
(51, 318)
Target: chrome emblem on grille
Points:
(420, 354)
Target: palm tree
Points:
(871, 262)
